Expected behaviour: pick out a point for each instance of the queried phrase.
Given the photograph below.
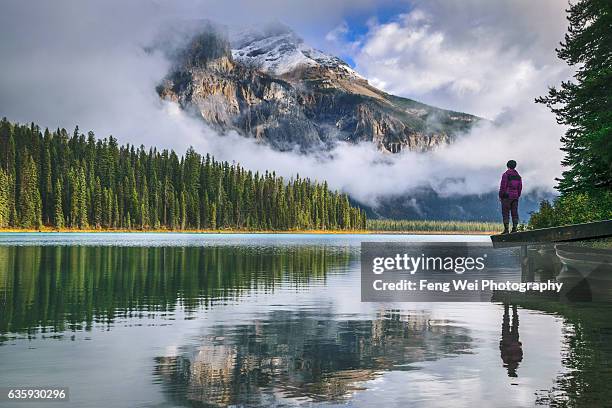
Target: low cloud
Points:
(83, 64)
(472, 165)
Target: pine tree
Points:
(82, 200)
(585, 105)
(5, 197)
(116, 213)
(107, 208)
(144, 205)
(30, 205)
(47, 184)
(74, 189)
(183, 211)
(58, 212)
(213, 216)
(97, 210)
(10, 165)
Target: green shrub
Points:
(573, 208)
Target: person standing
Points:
(509, 193)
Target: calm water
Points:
(165, 320)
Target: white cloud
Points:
(87, 67)
(338, 33)
(414, 56)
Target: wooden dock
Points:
(531, 240)
(568, 233)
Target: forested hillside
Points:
(77, 181)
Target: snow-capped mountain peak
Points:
(278, 50)
(268, 84)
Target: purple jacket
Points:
(511, 185)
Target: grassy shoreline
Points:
(437, 226)
(242, 231)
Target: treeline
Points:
(76, 181)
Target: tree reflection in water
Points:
(585, 304)
(57, 288)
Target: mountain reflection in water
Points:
(197, 320)
(306, 356)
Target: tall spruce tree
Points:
(11, 168)
(585, 104)
(58, 211)
(5, 197)
(46, 181)
(30, 205)
(97, 204)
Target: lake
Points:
(190, 320)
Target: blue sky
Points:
(357, 21)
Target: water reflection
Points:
(586, 273)
(510, 346)
(68, 287)
(302, 356)
(585, 303)
(283, 346)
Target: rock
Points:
(269, 85)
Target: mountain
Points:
(426, 204)
(268, 84)
(278, 51)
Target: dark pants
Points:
(510, 206)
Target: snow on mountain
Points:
(266, 83)
(277, 50)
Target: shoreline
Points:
(239, 231)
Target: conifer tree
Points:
(73, 196)
(47, 184)
(117, 214)
(213, 216)
(83, 200)
(97, 210)
(5, 197)
(144, 205)
(183, 211)
(10, 166)
(30, 205)
(584, 104)
(58, 215)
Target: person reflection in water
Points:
(510, 346)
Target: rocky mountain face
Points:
(269, 85)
